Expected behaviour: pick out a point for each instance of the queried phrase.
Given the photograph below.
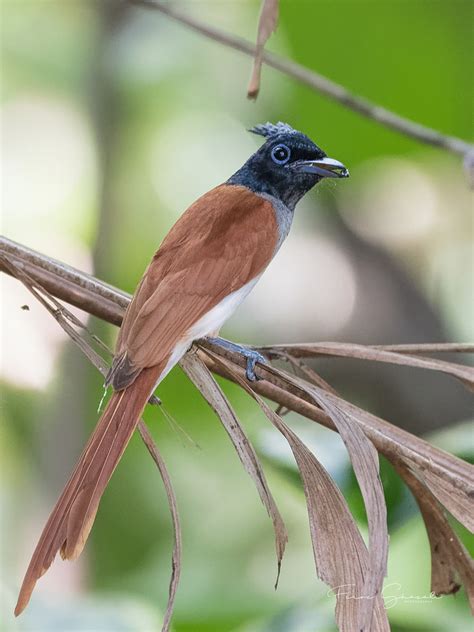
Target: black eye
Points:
(280, 154)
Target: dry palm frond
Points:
(202, 378)
(451, 564)
(341, 557)
(438, 480)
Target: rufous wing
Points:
(221, 243)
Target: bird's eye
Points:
(280, 154)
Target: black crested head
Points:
(287, 165)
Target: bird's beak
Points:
(324, 167)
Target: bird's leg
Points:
(250, 355)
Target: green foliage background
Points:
(162, 114)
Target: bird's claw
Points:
(252, 358)
(250, 355)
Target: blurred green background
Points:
(114, 119)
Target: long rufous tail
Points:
(71, 520)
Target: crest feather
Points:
(267, 130)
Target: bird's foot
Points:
(252, 357)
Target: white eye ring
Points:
(280, 154)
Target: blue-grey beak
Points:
(324, 167)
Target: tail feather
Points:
(72, 518)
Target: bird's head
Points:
(287, 165)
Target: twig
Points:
(177, 549)
(364, 352)
(319, 83)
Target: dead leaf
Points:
(450, 561)
(453, 497)
(202, 378)
(341, 557)
(267, 24)
(454, 490)
(365, 461)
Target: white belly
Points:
(207, 324)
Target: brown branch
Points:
(298, 349)
(320, 84)
(370, 353)
(102, 300)
(69, 284)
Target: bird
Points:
(206, 265)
